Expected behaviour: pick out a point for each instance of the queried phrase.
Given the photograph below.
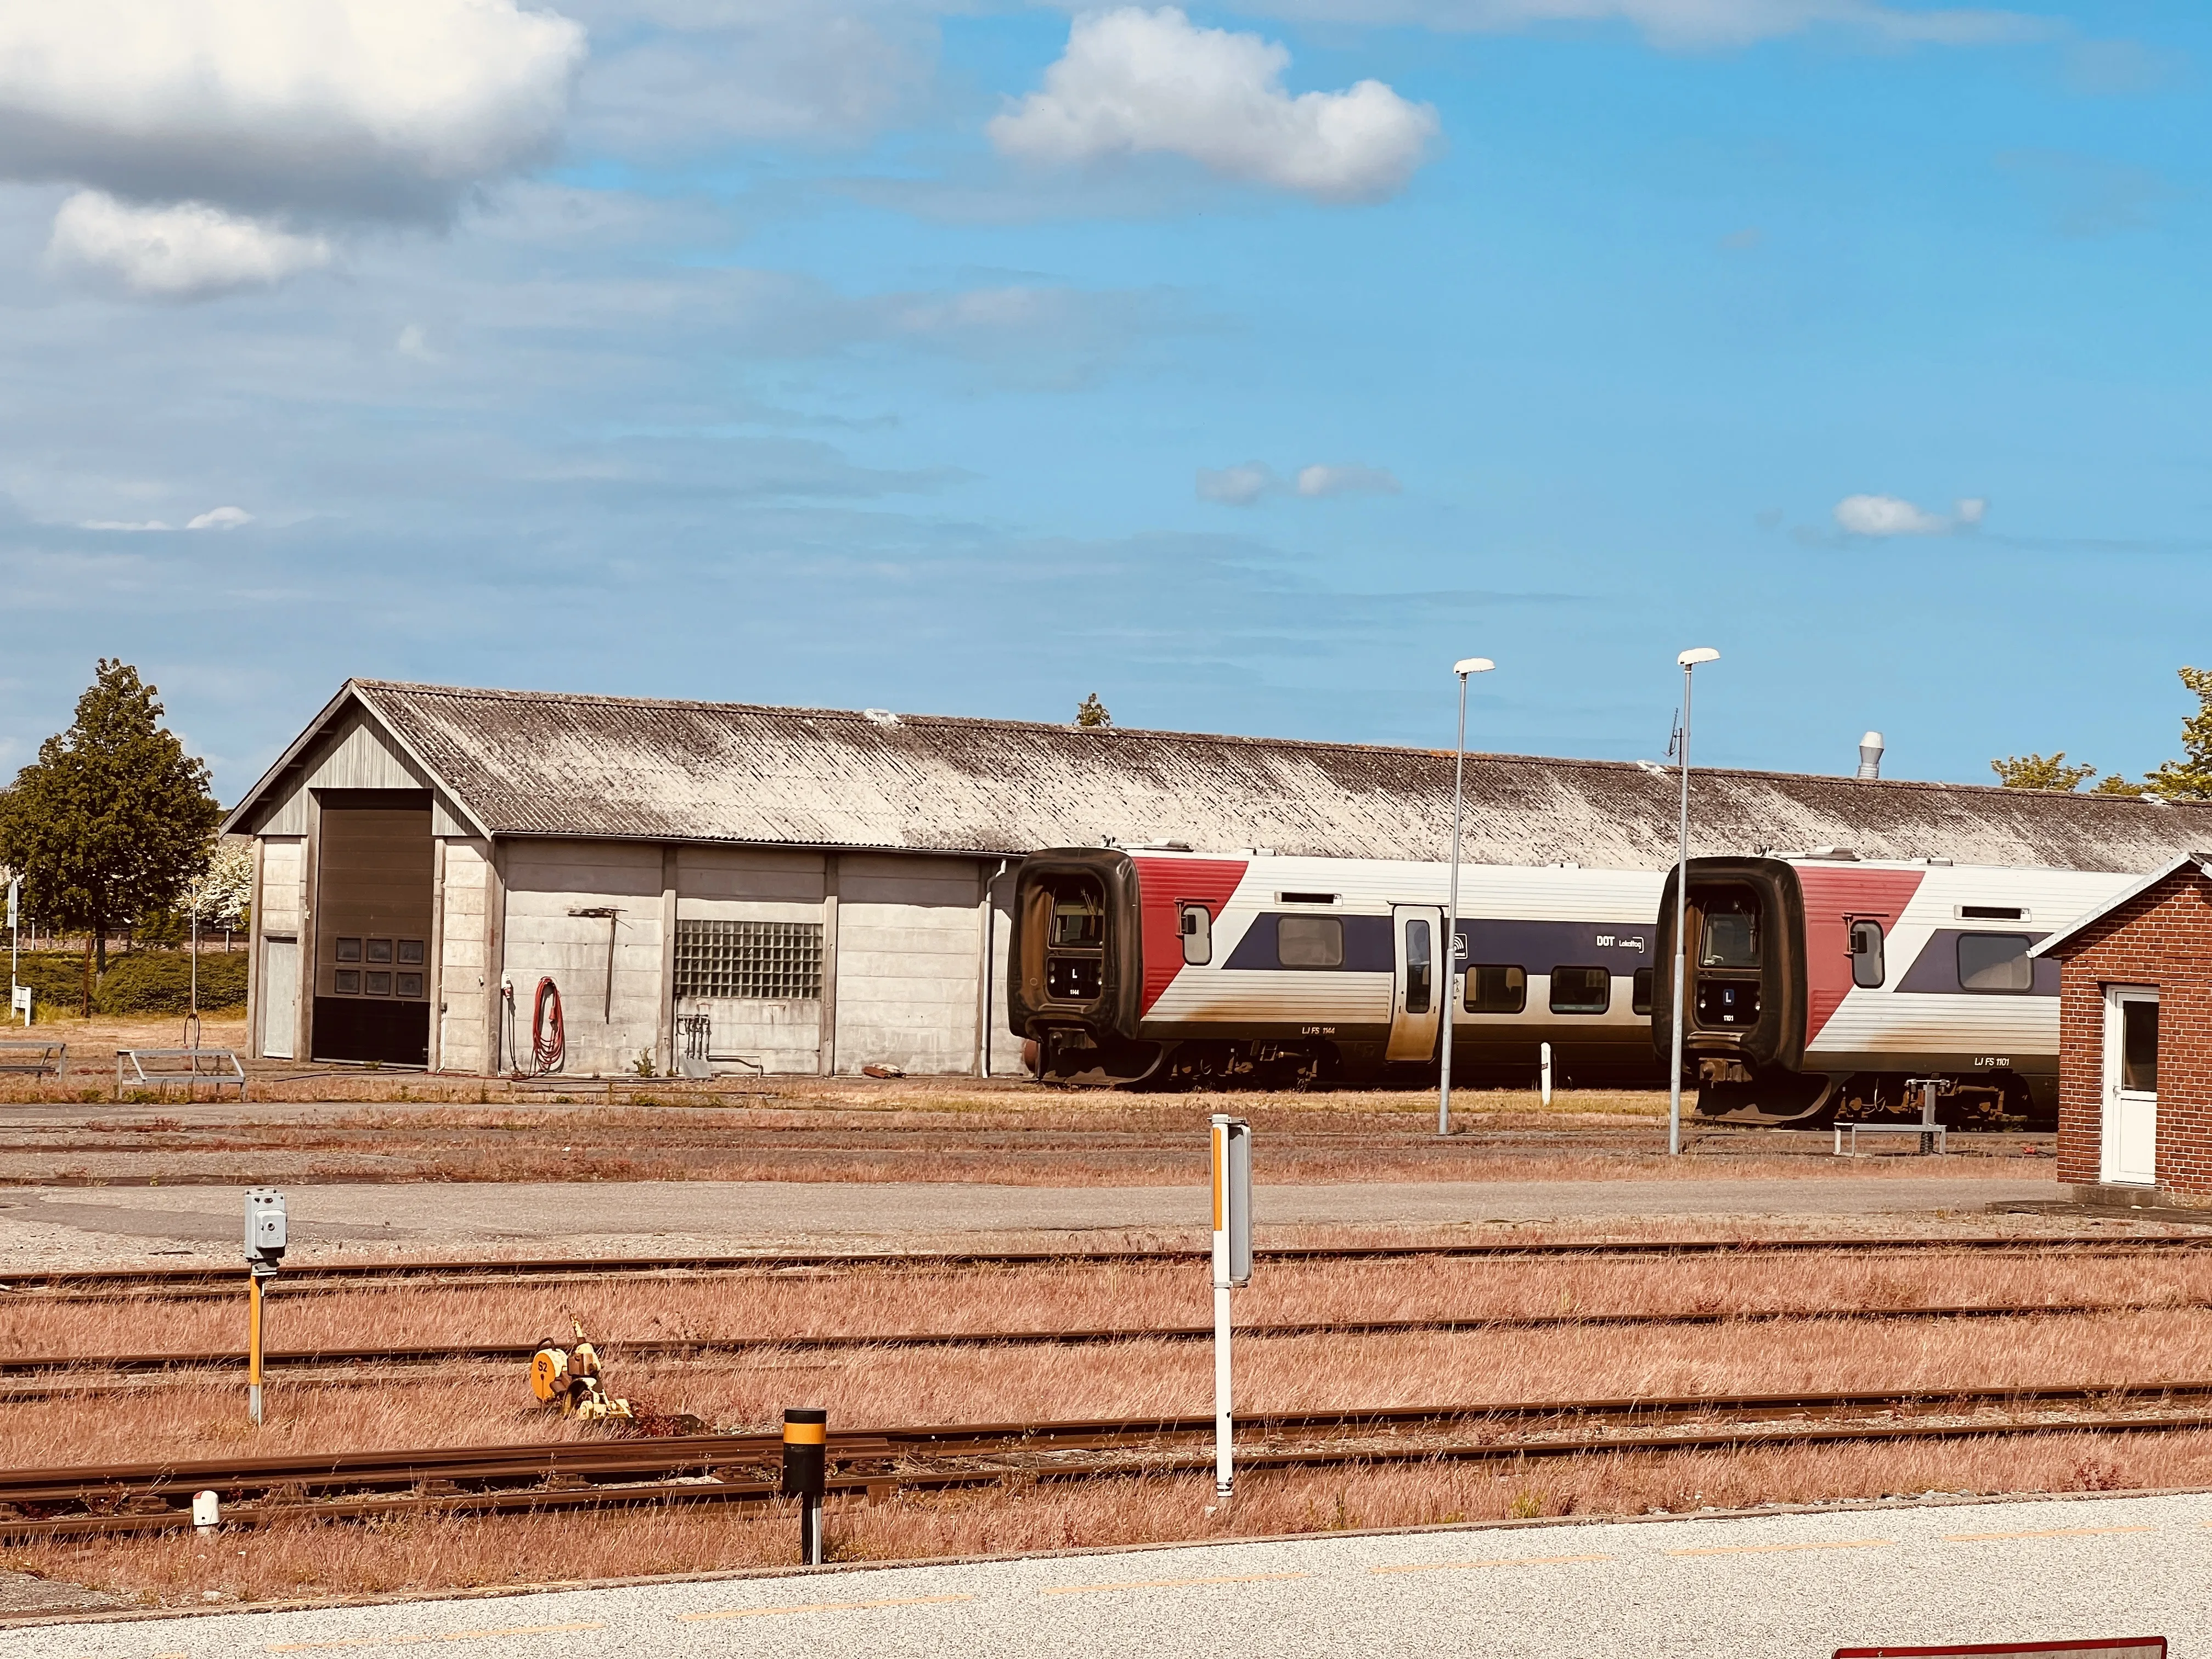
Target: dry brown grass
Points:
(428, 1552)
(1068, 1296)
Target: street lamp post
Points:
(1689, 660)
(1463, 668)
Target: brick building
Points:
(2134, 1067)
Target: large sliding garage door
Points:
(373, 928)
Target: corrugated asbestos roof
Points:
(541, 763)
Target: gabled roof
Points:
(2055, 946)
(545, 763)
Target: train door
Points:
(2130, 1139)
(1418, 983)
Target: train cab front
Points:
(1075, 968)
(1743, 1030)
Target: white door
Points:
(1418, 988)
(2131, 1149)
(280, 999)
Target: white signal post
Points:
(1232, 1266)
(1462, 668)
(1689, 661)
(16, 1000)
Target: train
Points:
(1818, 984)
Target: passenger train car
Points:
(1139, 964)
(1826, 983)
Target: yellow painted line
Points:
(1173, 1584)
(1780, 1549)
(824, 1606)
(418, 1641)
(2054, 1532)
(1508, 1561)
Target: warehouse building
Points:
(819, 891)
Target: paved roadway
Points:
(1773, 1587)
(43, 1224)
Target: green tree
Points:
(2189, 778)
(112, 821)
(1092, 713)
(2040, 772)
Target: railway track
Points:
(205, 1280)
(89, 1367)
(877, 1462)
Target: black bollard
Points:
(806, 1474)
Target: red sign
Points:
(2126, 1647)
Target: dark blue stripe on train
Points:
(1537, 947)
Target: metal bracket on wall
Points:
(613, 915)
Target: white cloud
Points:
(1893, 515)
(1319, 480)
(414, 342)
(1236, 486)
(1695, 25)
(360, 108)
(1240, 486)
(1134, 81)
(185, 251)
(220, 518)
(121, 524)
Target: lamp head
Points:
(1702, 654)
(1468, 665)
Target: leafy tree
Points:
(2040, 772)
(1092, 713)
(112, 821)
(2189, 778)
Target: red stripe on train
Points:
(1834, 897)
(1164, 886)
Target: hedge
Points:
(137, 982)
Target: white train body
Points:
(1816, 983)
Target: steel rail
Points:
(91, 1365)
(153, 1496)
(354, 1275)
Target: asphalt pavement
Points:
(1768, 1587)
(41, 1224)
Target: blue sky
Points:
(967, 361)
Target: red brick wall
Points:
(2162, 938)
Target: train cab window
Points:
(1639, 993)
(1418, 983)
(1078, 916)
(1995, 962)
(1196, 927)
(1866, 955)
(1310, 941)
(1497, 988)
(1729, 938)
(1581, 990)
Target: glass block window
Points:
(765, 961)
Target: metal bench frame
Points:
(1929, 1088)
(227, 1072)
(53, 1056)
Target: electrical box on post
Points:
(264, 1230)
(1232, 1201)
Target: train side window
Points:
(1581, 990)
(1417, 966)
(1497, 988)
(1310, 941)
(1639, 994)
(1995, 962)
(1197, 930)
(1866, 955)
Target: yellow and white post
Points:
(1232, 1266)
(264, 1253)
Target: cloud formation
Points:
(1243, 485)
(1893, 515)
(186, 252)
(1135, 83)
(1697, 25)
(382, 109)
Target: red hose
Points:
(548, 1047)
